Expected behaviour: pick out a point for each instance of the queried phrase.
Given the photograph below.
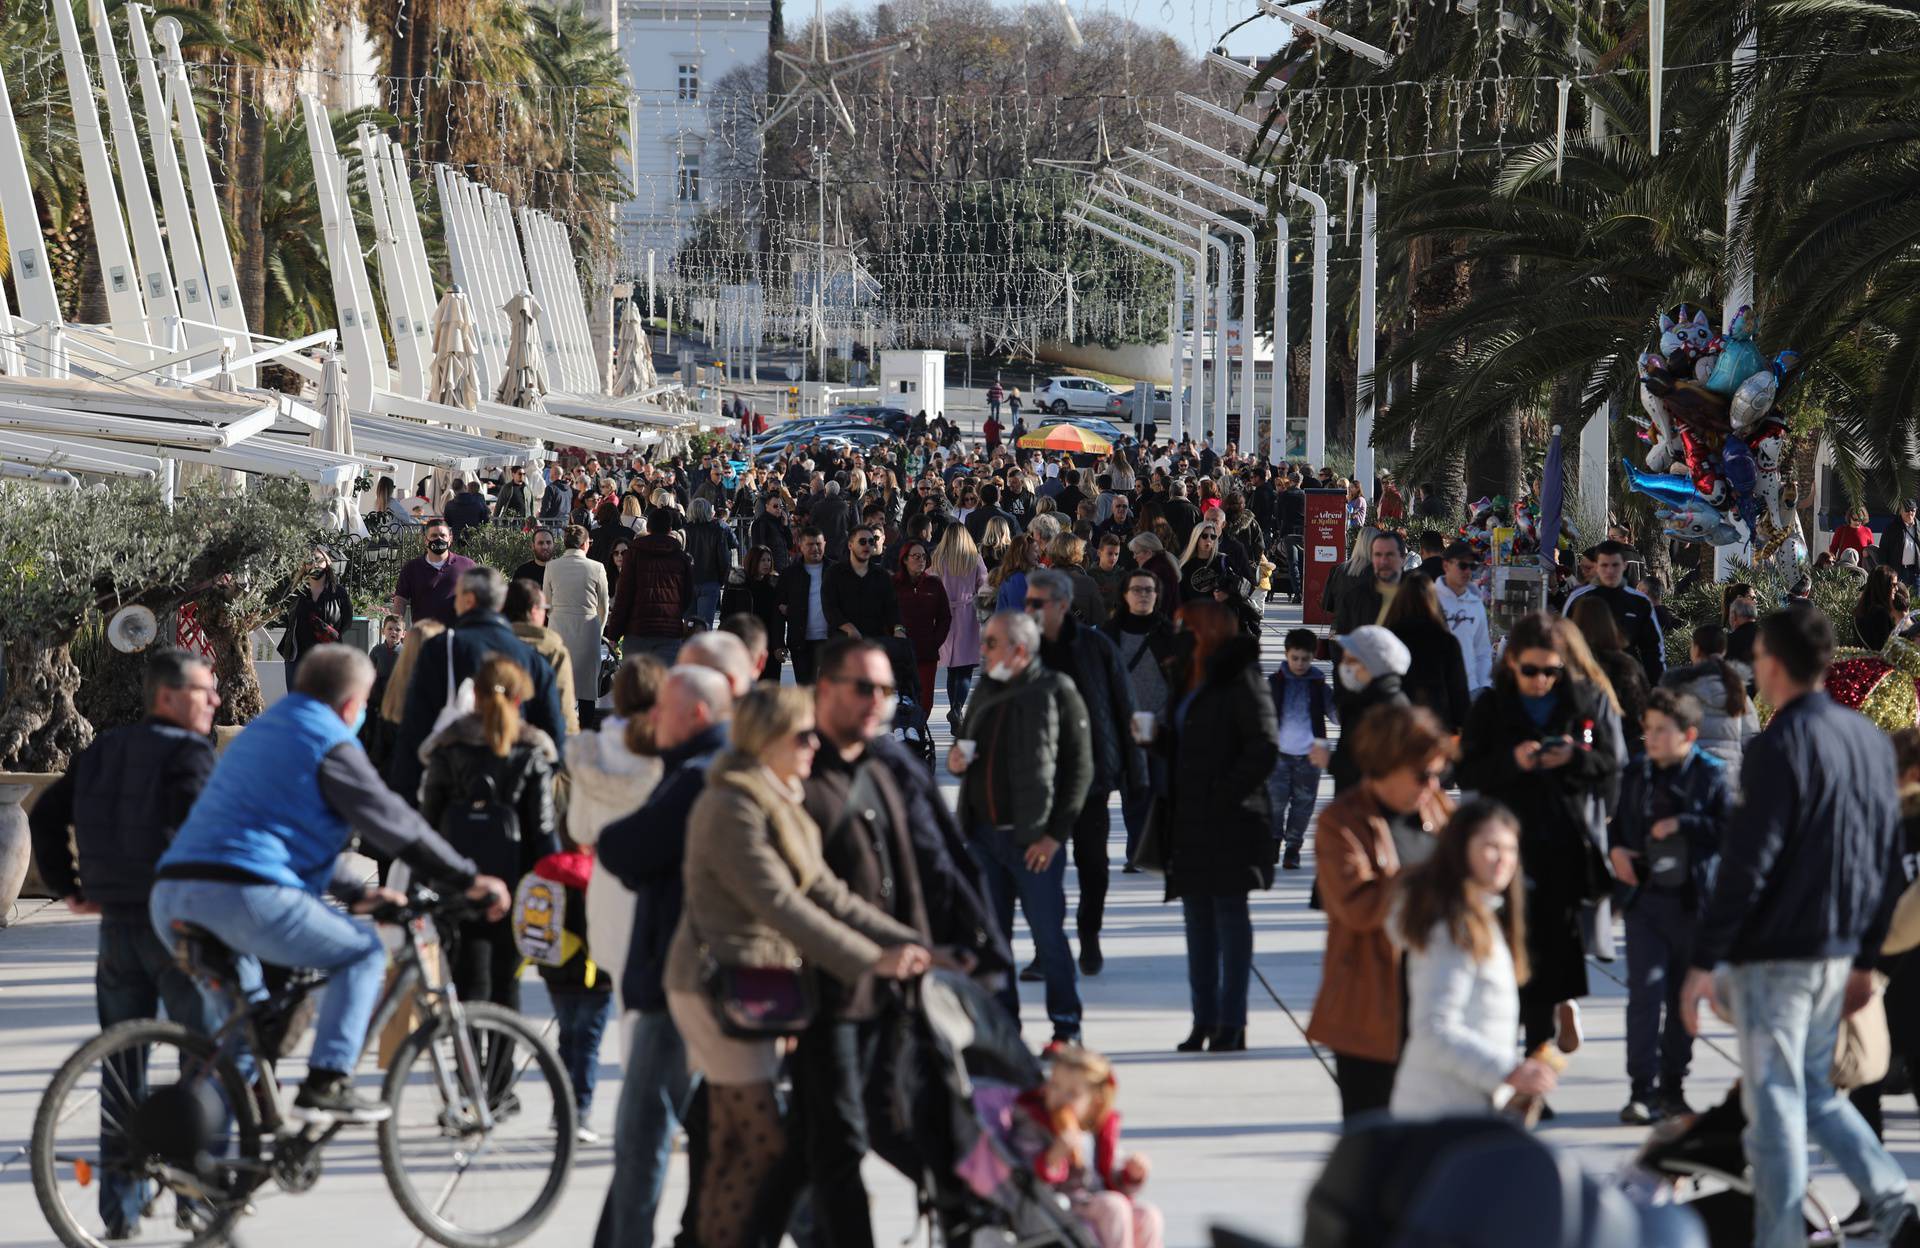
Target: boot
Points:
(1196, 1040)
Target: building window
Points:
(690, 82)
(689, 179)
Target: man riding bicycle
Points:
(264, 841)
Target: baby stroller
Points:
(1698, 1160)
(910, 715)
(949, 1067)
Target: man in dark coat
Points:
(1086, 657)
(802, 593)
(123, 798)
(479, 631)
(858, 596)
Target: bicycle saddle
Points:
(203, 955)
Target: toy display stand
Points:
(1517, 590)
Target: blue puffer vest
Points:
(262, 811)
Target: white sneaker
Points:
(586, 1135)
(1566, 1032)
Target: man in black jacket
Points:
(514, 499)
(1632, 610)
(645, 851)
(1899, 546)
(124, 797)
(1085, 656)
(858, 596)
(1367, 602)
(803, 588)
(989, 507)
(1800, 906)
(870, 799)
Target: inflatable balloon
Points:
(1697, 522)
(1753, 400)
(1741, 474)
(1685, 335)
(1656, 410)
(1662, 487)
(1738, 358)
(1769, 454)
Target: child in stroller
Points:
(1069, 1132)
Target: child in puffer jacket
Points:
(1069, 1132)
(581, 990)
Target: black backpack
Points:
(485, 829)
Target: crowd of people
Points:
(615, 714)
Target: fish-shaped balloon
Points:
(1663, 487)
(1753, 400)
(1738, 358)
(1697, 522)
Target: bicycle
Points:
(214, 1136)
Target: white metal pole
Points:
(1201, 239)
(1277, 407)
(156, 278)
(1366, 391)
(1197, 256)
(1175, 412)
(183, 243)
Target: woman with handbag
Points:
(1221, 741)
(762, 915)
(321, 611)
(488, 788)
(1540, 742)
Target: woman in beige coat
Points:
(577, 602)
(759, 894)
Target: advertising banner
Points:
(1324, 547)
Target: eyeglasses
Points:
(1147, 590)
(1039, 604)
(1551, 670)
(867, 688)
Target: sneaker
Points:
(1056, 1044)
(1859, 1222)
(1566, 1031)
(328, 1097)
(1032, 974)
(1291, 860)
(1130, 869)
(1674, 1105)
(1092, 961)
(1637, 1113)
(1908, 1233)
(586, 1135)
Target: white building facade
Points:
(677, 53)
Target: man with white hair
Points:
(711, 546)
(645, 851)
(721, 652)
(1025, 757)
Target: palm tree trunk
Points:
(246, 176)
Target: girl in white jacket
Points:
(611, 772)
(1459, 919)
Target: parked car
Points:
(1062, 395)
(842, 439)
(893, 419)
(1121, 412)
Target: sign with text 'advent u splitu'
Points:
(1325, 542)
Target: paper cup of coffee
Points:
(967, 751)
(1143, 722)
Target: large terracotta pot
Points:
(15, 847)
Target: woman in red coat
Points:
(1853, 535)
(924, 613)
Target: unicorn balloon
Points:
(1739, 359)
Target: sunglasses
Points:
(868, 688)
(807, 739)
(863, 541)
(1551, 670)
(1039, 604)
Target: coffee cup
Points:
(1143, 724)
(968, 749)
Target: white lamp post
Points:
(1317, 333)
(1197, 256)
(1175, 413)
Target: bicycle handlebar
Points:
(423, 901)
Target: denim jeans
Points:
(1294, 784)
(706, 601)
(135, 977)
(1043, 898)
(1659, 951)
(288, 927)
(653, 1098)
(959, 685)
(583, 1021)
(666, 649)
(1219, 958)
(1788, 1017)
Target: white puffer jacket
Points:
(609, 781)
(1722, 735)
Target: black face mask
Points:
(439, 546)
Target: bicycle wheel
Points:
(464, 1185)
(143, 1110)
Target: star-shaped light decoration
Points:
(819, 71)
(1103, 161)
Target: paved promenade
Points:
(1233, 1138)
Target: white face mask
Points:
(1001, 671)
(1350, 680)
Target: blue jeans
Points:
(583, 1021)
(706, 601)
(1219, 958)
(959, 685)
(136, 975)
(1043, 898)
(1294, 784)
(1788, 1016)
(653, 1098)
(288, 927)
(1659, 951)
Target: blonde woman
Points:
(995, 536)
(963, 574)
(384, 725)
(759, 895)
(492, 754)
(633, 513)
